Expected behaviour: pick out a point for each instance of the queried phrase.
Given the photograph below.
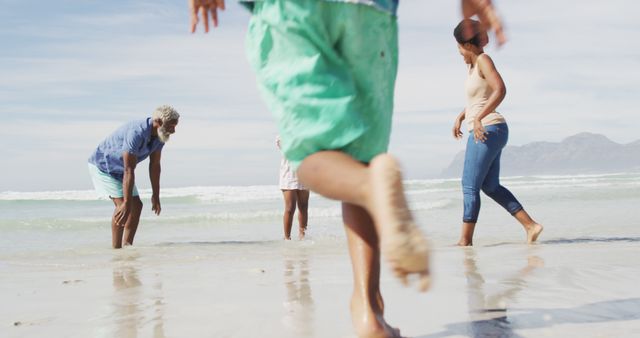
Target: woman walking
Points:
(488, 134)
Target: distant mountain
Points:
(584, 153)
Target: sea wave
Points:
(269, 193)
(266, 214)
(204, 194)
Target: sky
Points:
(72, 71)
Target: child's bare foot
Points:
(533, 232)
(401, 242)
(464, 242)
(369, 322)
(535, 262)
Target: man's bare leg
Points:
(532, 228)
(303, 212)
(378, 189)
(116, 230)
(131, 226)
(466, 236)
(289, 209)
(367, 308)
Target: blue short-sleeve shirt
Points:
(134, 137)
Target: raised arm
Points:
(154, 176)
(487, 14)
(203, 7)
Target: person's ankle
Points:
(465, 242)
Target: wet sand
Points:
(583, 286)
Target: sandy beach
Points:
(214, 262)
(225, 275)
(219, 289)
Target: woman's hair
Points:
(477, 37)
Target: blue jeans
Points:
(482, 172)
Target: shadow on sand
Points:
(205, 243)
(579, 240)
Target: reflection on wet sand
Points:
(131, 312)
(298, 307)
(489, 314)
(127, 296)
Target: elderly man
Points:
(112, 167)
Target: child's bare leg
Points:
(378, 189)
(289, 210)
(402, 243)
(367, 312)
(336, 175)
(466, 236)
(532, 228)
(303, 208)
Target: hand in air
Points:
(487, 15)
(204, 8)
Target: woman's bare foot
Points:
(532, 228)
(302, 231)
(533, 232)
(369, 322)
(401, 242)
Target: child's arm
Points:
(204, 7)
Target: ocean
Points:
(569, 206)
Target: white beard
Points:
(163, 135)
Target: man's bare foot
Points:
(533, 232)
(369, 322)
(401, 242)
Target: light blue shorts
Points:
(107, 186)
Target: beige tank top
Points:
(478, 91)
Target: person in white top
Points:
(295, 194)
(488, 134)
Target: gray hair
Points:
(166, 113)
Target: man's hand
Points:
(204, 7)
(155, 204)
(122, 213)
(487, 15)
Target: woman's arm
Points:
(489, 72)
(457, 134)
